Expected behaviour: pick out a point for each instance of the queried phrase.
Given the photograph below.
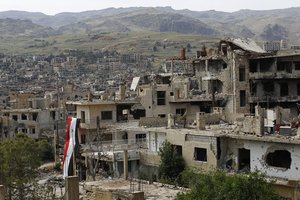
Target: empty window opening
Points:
(265, 65)
(177, 149)
(297, 65)
(125, 136)
(162, 115)
(15, 117)
(298, 89)
(140, 137)
(52, 115)
(218, 148)
(180, 111)
(224, 65)
(279, 158)
(34, 116)
(215, 66)
(82, 116)
(284, 66)
(242, 98)
(253, 65)
(242, 73)
(161, 98)
(244, 159)
(106, 115)
(24, 117)
(284, 89)
(217, 86)
(268, 87)
(200, 154)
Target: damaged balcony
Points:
(274, 91)
(274, 68)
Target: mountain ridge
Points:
(257, 24)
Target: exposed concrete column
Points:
(206, 67)
(171, 121)
(125, 160)
(186, 90)
(200, 121)
(260, 115)
(72, 188)
(2, 192)
(122, 90)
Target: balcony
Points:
(274, 75)
(254, 99)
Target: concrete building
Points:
(235, 109)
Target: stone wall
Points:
(153, 122)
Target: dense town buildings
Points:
(233, 108)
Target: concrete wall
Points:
(92, 111)
(148, 94)
(189, 143)
(258, 153)
(155, 140)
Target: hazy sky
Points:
(56, 6)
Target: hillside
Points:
(17, 27)
(259, 25)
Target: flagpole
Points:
(74, 162)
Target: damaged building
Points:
(235, 108)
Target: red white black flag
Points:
(70, 145)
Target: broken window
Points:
(140, 137)
(242, 98)
(266, 64)
(253, 65)
(244, 159)
(217, 86)
(279, 158)
(52, 114)
(106, 115)
(15, 117)
(297, 65)
(180, 111)
(200, 154)
(224, 65)
(161, 97)
(23, 116)
(242, 73)
(268, 86)
(34, 116)
(162, 115)
(284, 66)
(218, 148)
(177, 149)
(284, 89)
(83, 116)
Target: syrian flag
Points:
(71, 145)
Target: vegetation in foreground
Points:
(19, 162)
(213, 185)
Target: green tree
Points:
(45, 151)
(19, 164)
(219, 186)
(172, 164)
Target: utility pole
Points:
(56, 135)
